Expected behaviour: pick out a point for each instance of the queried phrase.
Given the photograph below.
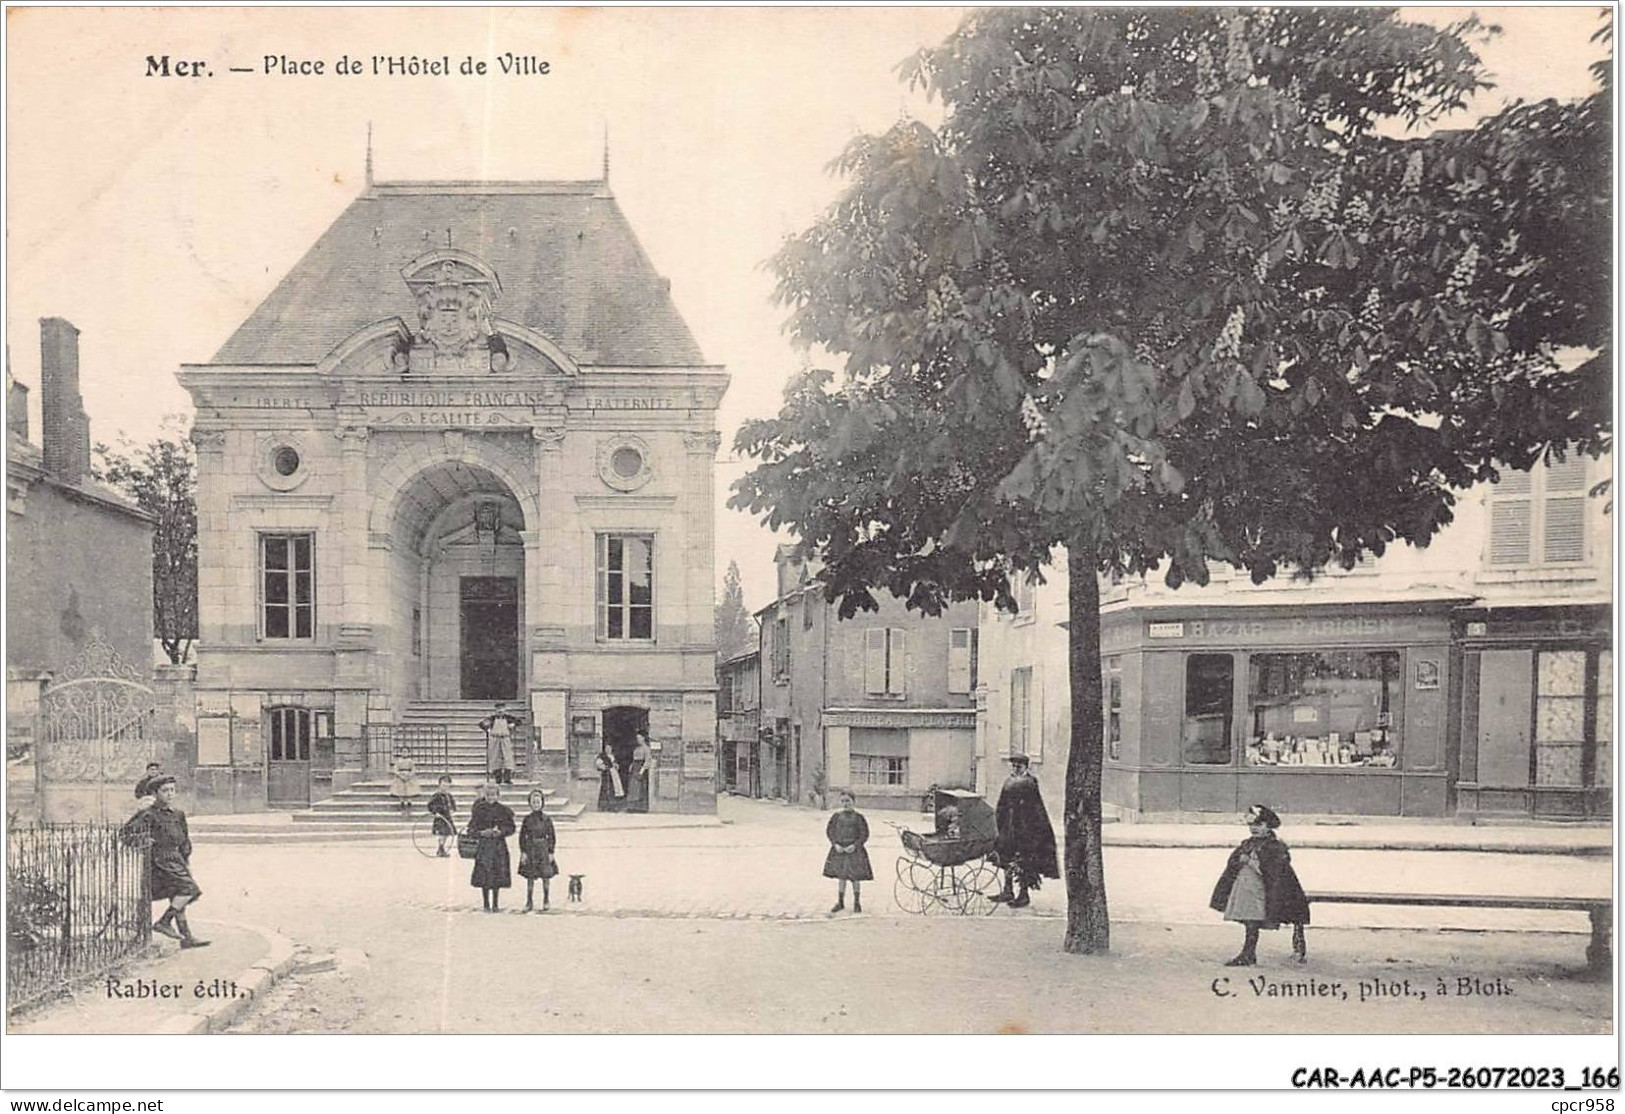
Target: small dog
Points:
(575, 886)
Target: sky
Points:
(155, 213)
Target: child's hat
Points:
(1263, 814)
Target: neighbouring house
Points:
(78, 573)
(739, 720)
(882, 702)
(461, 454)
(1470, 678)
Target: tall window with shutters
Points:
(962, 663)
(781, 651)
(885, 661)
(1538, 518)
(1021, 710)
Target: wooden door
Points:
(489, 660)
(288, 756)
(1505, 716)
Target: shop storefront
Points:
(1331, 709)
(1536, 712)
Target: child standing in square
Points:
(441, 805)
(847, 860)
(1259, 889)
(537, 841)
(403, 783)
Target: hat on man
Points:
(1263, 814)
(160, 781)
(1019, 760)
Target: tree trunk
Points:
(1088, 927)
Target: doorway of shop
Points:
(622, 725)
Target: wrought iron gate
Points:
(94, 738)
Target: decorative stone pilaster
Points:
(547, 575)
(353, 524)
(698, 518)
(214, 582)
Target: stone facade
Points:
(78, 555)
(477, 472)
(881, 702)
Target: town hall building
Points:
(462, 454)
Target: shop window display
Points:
(1332, 708)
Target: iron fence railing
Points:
(78, 901)
(428, 745)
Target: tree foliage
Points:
(735, 629)
(162, 479)
(1159, 290)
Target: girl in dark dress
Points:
(162, 828)
(537, 839)
(441, 805)
(847, 860)
(1260, 889)
(492, 821)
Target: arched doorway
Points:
(457, 586)
(622, 725)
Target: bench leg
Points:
(1599, 953)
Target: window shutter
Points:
(975, 653)
(1509, 532)
(959, 659)
(874, 660)
(897, 662)
(1564, 527)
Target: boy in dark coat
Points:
(537, 841)
(1260, 889)
(1026, 842)
(441, 805)
(162, 827)
(492, 821)
(848, 860)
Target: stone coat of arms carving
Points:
(453, 290)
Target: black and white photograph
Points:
(1031, 525)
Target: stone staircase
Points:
(368, 806)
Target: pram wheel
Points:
(978, 882)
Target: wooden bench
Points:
(1599, 954)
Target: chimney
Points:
(65, 432)
(17, 410)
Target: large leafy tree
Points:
(1159, 291)
(161, 477)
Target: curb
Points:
(1311, 843)
(251, 983)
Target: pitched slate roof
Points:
(570, 267)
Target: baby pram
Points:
(948, 871)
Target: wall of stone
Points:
(74, 565)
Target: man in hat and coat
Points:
(162, 827)
(1026, 842)
(498, 728)
(1260, 889)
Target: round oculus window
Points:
(626, 461)
(285, 460)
